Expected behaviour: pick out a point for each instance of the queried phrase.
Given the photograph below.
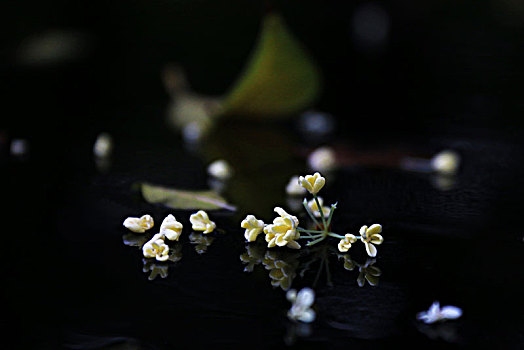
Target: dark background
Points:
(448, 75)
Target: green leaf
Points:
(279, 79)
(181, 199)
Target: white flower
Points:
(312, 183)
(253, 227)
(156, 248)
(435, 313)
(293, 188)
(301, 309)
(312, 204)
(171, 228)
(139, 225)
(103, 145)
(322, 159)
(220, 169)
(370, 236)
(446, 162)
(201, 222)
(345, 243)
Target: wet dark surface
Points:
(73, 282)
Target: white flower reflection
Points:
(437, 314)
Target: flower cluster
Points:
(284, 231)
(170, 229)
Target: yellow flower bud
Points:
(171, 228)
(253, 227)
(139, 225)
(312, 183)
(201, 222)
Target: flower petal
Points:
(376, 239)
(363, 230)
(374, 229)
(306, 297)
(307, 316)
(451, 312)
(371, 249)
(293, 245)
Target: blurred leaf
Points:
(279, 79)
(180, 199)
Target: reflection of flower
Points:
(156, 248)
(282, 272)
(312, 204)
(312, 183)
(368, 273)
(349, 264)
(201, 242)
(139, 225)
(253, 256)
(370, 236)
(293, 188)
(435, 313)
(253, 227)
(161, 270)
(283, 231)
(302, 302)
(345, 243)
(201, 222)
(171, 228)
(133, 240)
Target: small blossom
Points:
(220, 169)
(253, 227)
(156, 248)
(201, 222)
(370, 236)
(312, 183)
(435, 313)
(171, 228)
(293, 188)
(322, 159)
(283, 231)
(139, 225)
(369, 273)
(301, 305)
(312, 204)
(446, 162)
(345, 243)
(103, 145)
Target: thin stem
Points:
(333, 207)
(310, 231)
(321, 212)
(316, 241)
(310, 237)
(332, 234)
(304, 203)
